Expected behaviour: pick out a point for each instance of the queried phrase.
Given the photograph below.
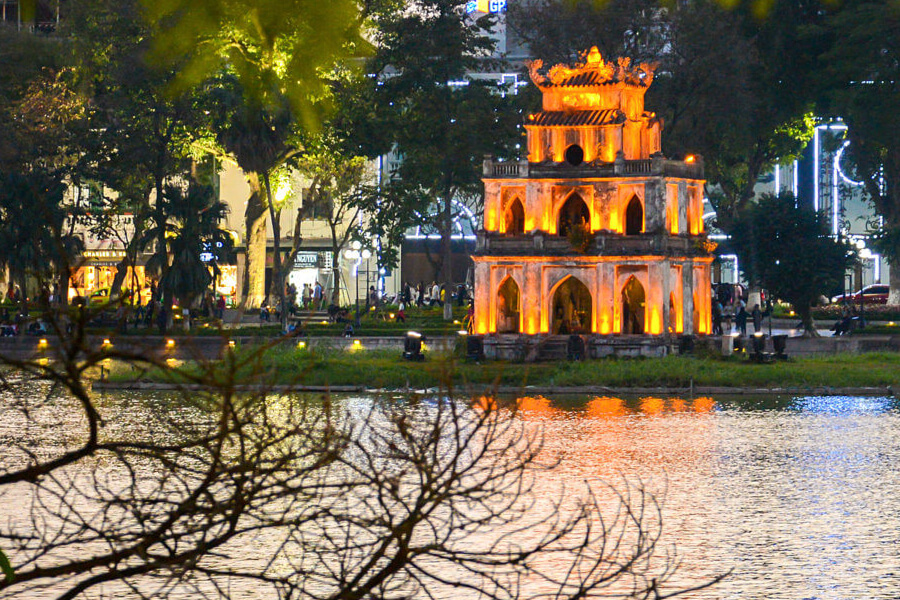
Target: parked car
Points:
(871, 294)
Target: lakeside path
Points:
(521, 390)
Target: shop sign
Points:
(486, 6)
(103, 255)
(313, 260)
(306, 260)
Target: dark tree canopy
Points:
(787, 249)
(859, 81)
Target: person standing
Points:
(307, 294)
(717, 312)
(756, 315)
(317, 296)
(435, 294)
(740, 319)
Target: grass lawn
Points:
(380, 369)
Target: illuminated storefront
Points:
(96, 273)
(311, 266)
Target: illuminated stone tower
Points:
(597, 232)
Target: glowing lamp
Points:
(42, 343)
(106, 342)
(690, 158)
(412, 346)
(462, 332)
(231, 343)
(301, 344)
(357, 344)
(170, 343)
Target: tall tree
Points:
(193, 228)
(141, 131)
(860, 73)
(338, 186)
(261, 140)
(789, 250)
(277, 51)
(735, 88)
(34, 239)
(443, 120)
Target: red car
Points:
(871, 294)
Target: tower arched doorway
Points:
(633, 304)
(572, 308)
(574, 213)
(508, 312)
(634, 217)
(514, 218)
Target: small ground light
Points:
(301, 344)
(462, 332)
(106, 342)
(456, 321)
(891, 323)
(412, 346)
(42, 342)
(690, 158)
(231, 343)
(356, 343)
(170, 343)
(391, 315)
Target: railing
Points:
(628, 168)
(507, 169)
(633, 167)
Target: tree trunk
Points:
(62, 285)
(277, 272)
(809, 324)
(446, 242)
(894, 281)
(254, 288)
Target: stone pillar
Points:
(606, 297)
(655, 311)
(683, 201)
(655, 206)
(532, 298)
(664, 273)
(482, 298)
(687, 297)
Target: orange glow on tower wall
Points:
(655, 321)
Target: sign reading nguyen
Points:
(486, 6)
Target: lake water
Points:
(798, 497)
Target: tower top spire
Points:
(592, 71)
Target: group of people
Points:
(729, 305)
(433, 294)
(311, 297)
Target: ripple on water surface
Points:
(800, 497)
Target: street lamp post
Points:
(357, 253)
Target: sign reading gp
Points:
(486, 6)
